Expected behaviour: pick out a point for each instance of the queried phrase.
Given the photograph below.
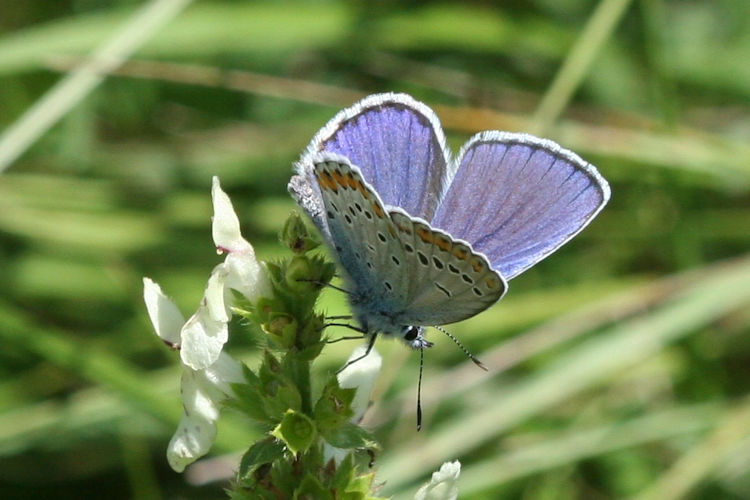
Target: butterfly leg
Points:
(323, 283)
(343, 290)
(369, 348)
(344, 338)
(345, 325)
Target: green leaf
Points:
(282, 396)
(296, 430)
(269, 368)
(360, 486)
(249, 398)
(249, 402)
(260, 453)
(277, 392)
(333, 409)
(347, 484)
(312, 350)
(349, 436)
(344, 474)
(312, 489)
(299, 272)
(325, 269)
(274, 274)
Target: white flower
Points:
(165, 316)
(442, 486)
(205, 333)
(202, 392)
(361, 376)
(207, 371)
(203, 336)
(243, 271)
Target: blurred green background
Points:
(619, 367)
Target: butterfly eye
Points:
(411, 332)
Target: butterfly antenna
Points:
(461, 346)
(419, 390)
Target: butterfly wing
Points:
(517, 198)
(362, 235)
(306, 193)
(449, 281)
(398, 264)
(398, 145)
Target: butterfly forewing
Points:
(398, 145)
(519, 199)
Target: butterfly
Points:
(425, 239)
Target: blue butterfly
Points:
(427, 240)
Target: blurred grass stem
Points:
(581, 444)
(730, 435)
(597, 31)
(75, 86)
(238, 80)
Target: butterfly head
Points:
(376, 321)
(414, 337)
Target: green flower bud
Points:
(299, 272)
(296, 430)
(296, 236)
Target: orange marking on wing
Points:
(491, 283)
(403, 228)
(338, 178)
(362, 190)
(378, 210)
(325, 181)
(460, 253)
(425, 235)
(351, 181)
(443, 243)
(391, 230)
(477, 264)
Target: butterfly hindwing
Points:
(450, 282)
